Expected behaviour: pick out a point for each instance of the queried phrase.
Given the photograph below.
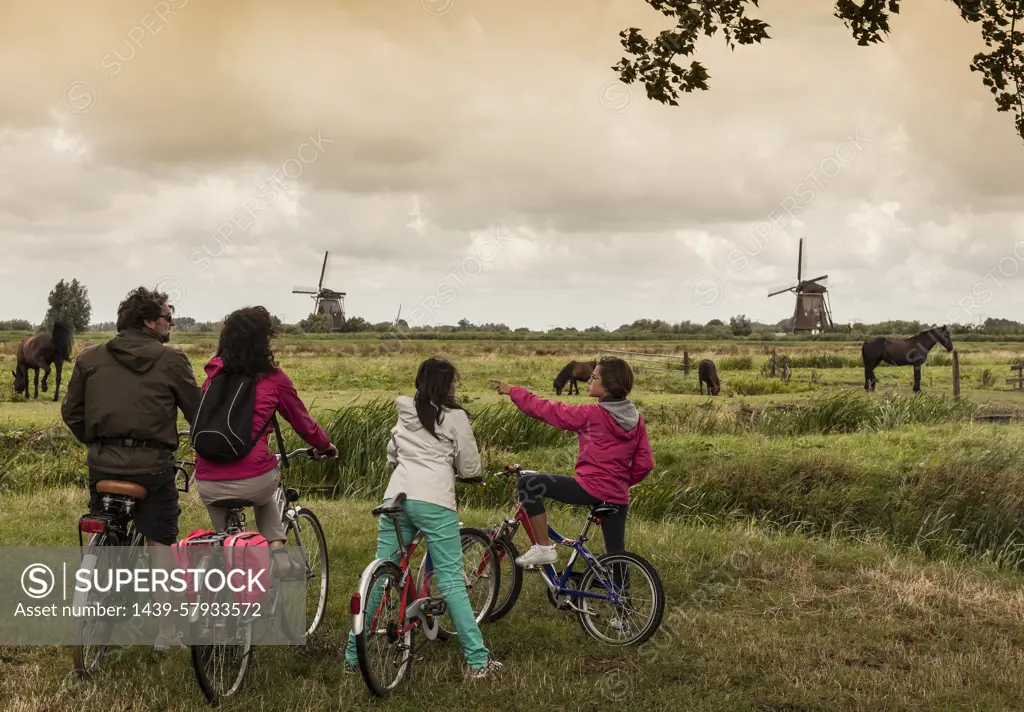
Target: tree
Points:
(317, 324)
(184, 323)
(740, 325)
(16, 325)
(1002, 68)
(68, 303)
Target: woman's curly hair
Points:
(245, 342)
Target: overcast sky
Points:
(477, 159)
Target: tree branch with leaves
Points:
(653, 62)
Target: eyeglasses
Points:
(593, 377)
(168, 317)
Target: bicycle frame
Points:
(556, 582)
(409, 594)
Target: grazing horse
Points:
(573, 372)
(38, 352)
(707, 373)
(902, 352)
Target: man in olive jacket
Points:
(123, 402)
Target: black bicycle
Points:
(113, 543)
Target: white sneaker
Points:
(538, 555)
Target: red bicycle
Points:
(388, 607)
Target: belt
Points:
(132, 442)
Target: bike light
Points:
(355, 604)
(93, 526)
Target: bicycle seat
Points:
(393, 507)
(233, 503)
(122, 488)
(603, 509)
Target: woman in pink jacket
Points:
(614, 455)
(245, 347)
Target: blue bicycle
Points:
(619, 599)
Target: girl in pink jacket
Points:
(614, 455)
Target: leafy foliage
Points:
(654, 63)
(316, 324)
(68, 303)
(16, 325)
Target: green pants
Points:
(441, 528)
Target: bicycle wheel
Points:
(94, 632)
(307, 533)
(481, 572)
(642, 600)
(511, 574)
(221, 662)
(385, 655)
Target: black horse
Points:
(902, 352)
(573, 372)
(38, 352)
(707, 373)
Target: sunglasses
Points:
(168, 317)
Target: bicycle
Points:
(402, 607)
(581, 592)
(112, 526)
(220, 665)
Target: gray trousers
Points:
(261, 491)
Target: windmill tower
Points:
(812, 313)
(326, 301)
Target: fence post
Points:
(956, 374)
(686, 363)
(773, 364)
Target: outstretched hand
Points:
(503, 388)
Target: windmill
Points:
(812, 311)
(326, 301)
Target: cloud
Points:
(491, 115)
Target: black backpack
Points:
(222, 431)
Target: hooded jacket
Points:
(274, 393)
(130, 387)
(425, 466)
(615, 453)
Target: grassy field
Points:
(754, 622)
(821, 548)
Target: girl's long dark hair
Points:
(245, 342)
(433, 388)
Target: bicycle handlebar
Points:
(311, 452)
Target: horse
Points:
(902, 352)
(707, 373)
(38, 352)
(573, 372)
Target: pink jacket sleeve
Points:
(565, 417)
(294, 411)
(643, 458)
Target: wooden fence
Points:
(643, 362)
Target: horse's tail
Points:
(63, 339)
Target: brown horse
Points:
(707, 373)
(902, 352)
(574, 371)
(38, 352)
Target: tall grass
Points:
(844, 463)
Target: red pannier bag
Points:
(186, 557)
(250, 553)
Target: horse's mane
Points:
(564, 374)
